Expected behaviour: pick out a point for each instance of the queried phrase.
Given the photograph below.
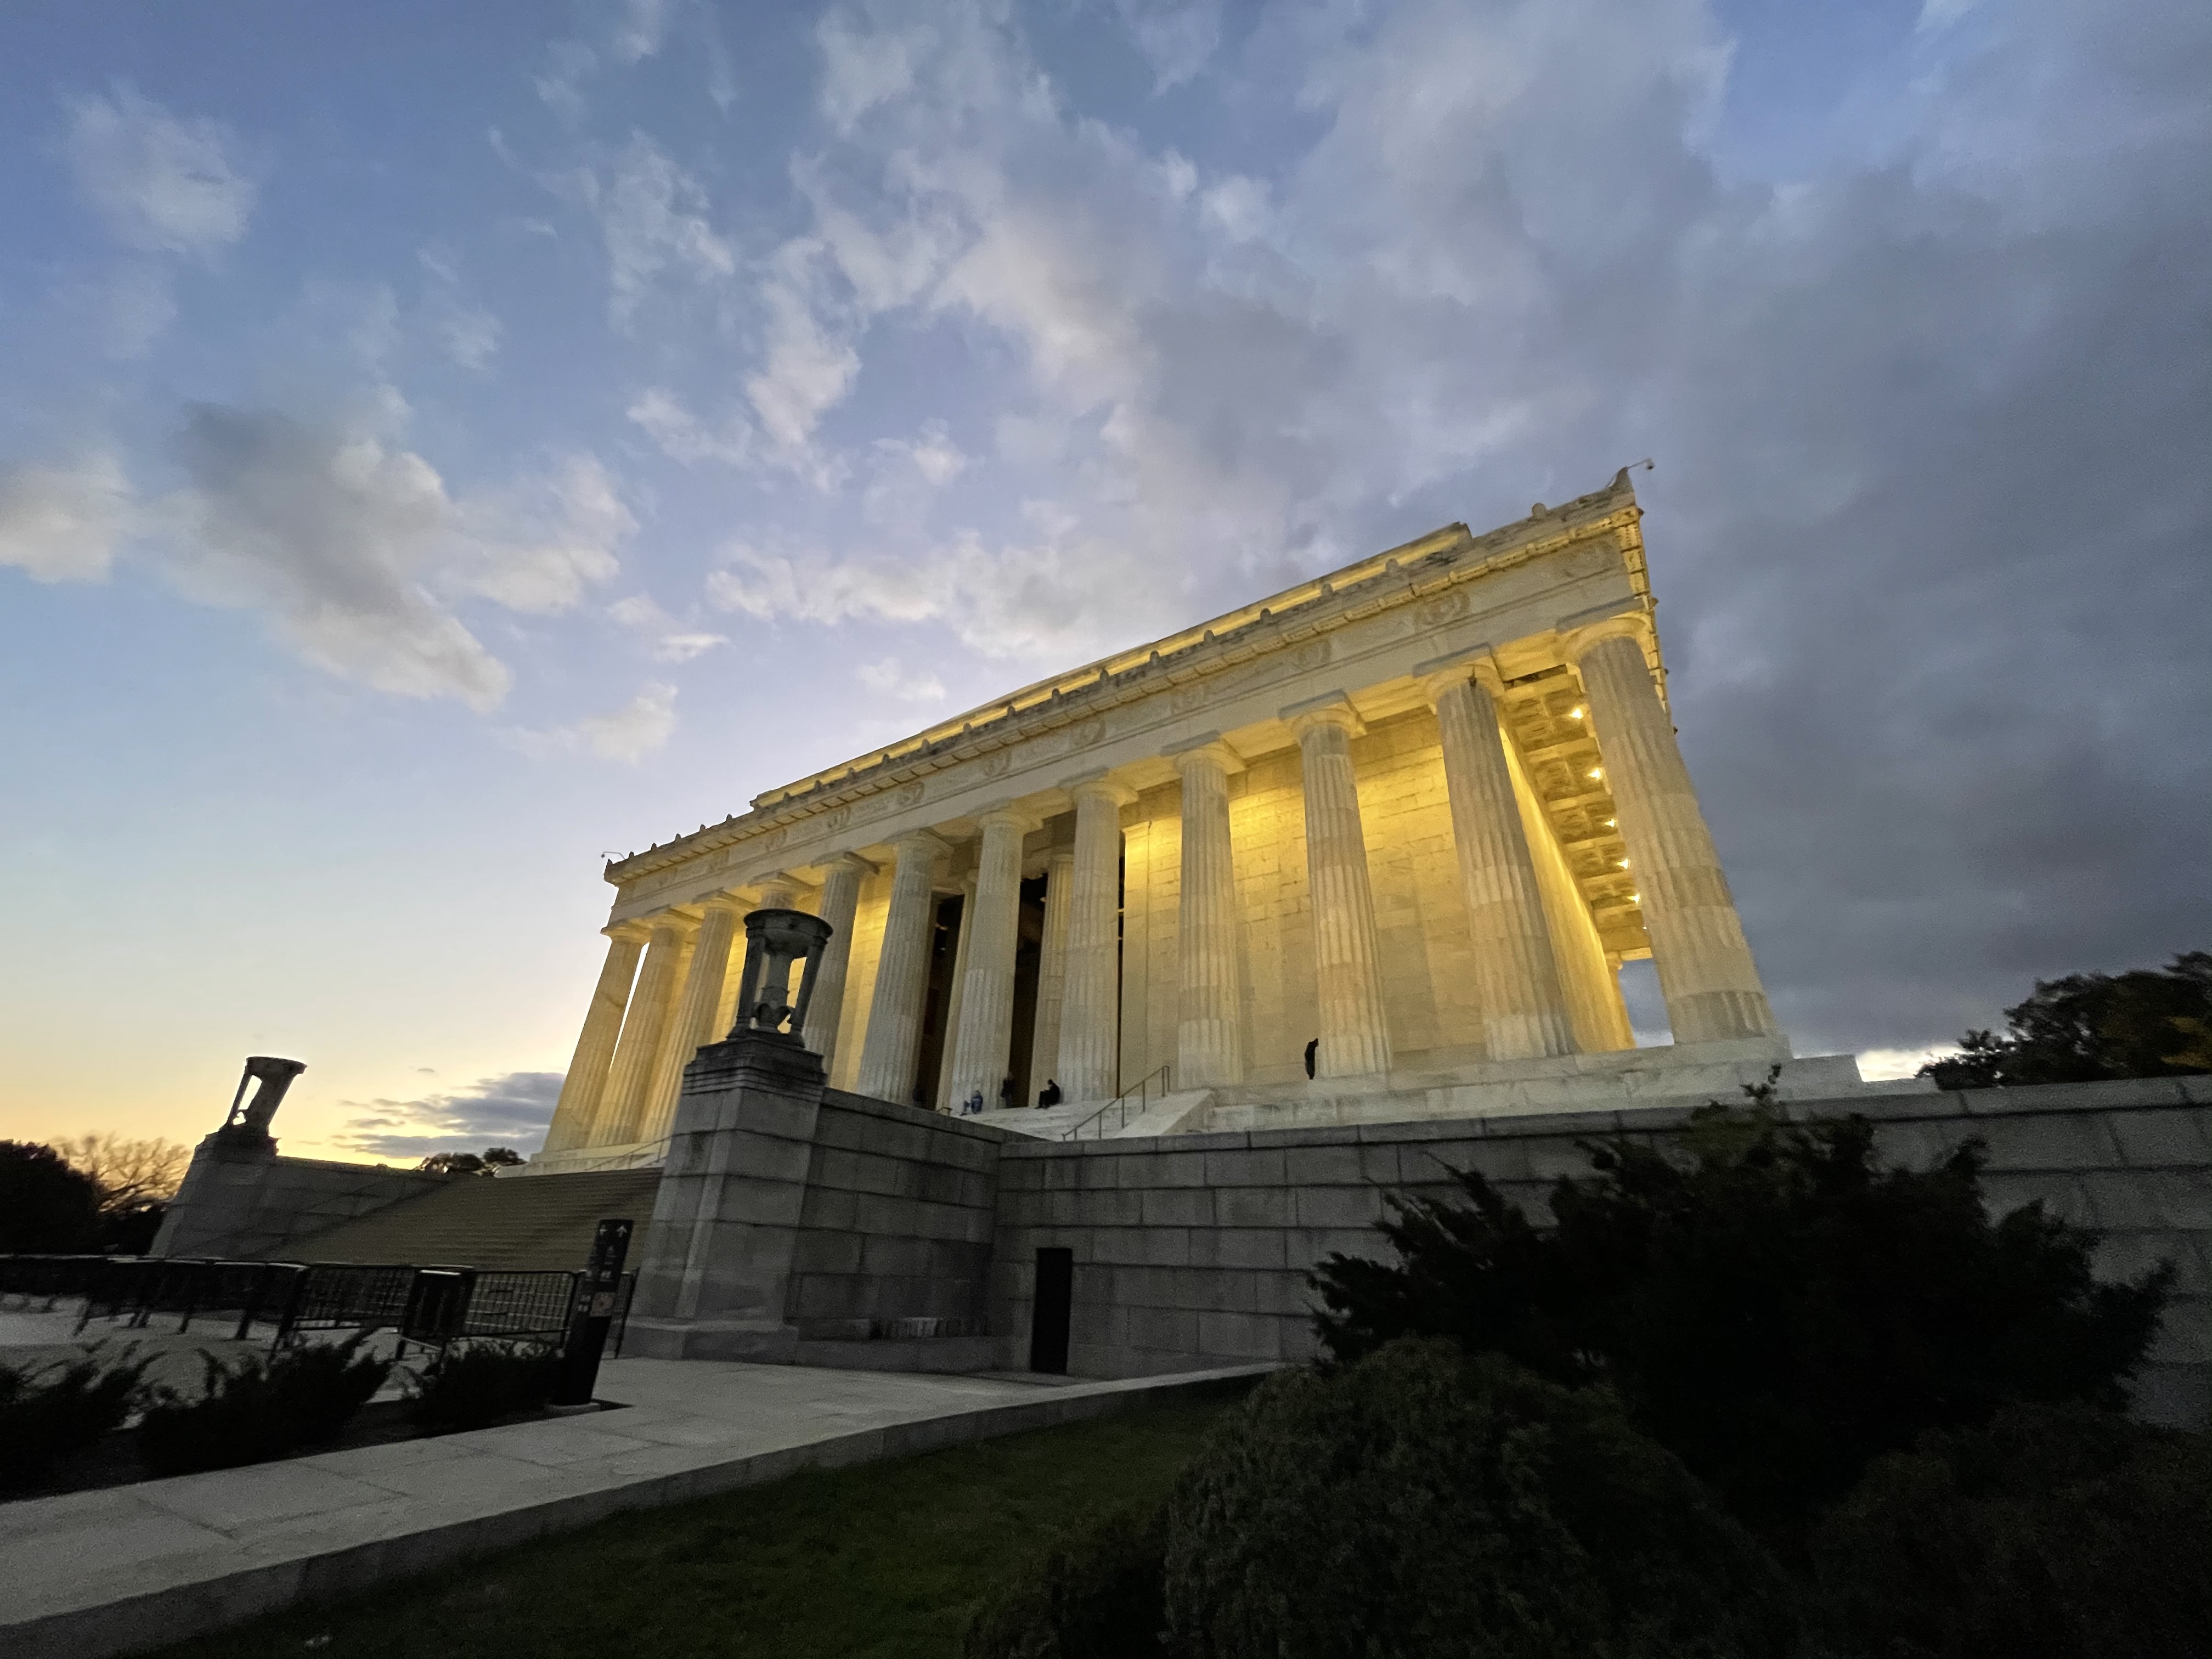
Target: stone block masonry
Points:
(1194, 1250)
(247, 1204)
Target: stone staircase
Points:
(546, 1221)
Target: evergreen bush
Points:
(1422, 1501)
(1773, 1306)
(473, 1386)
(48, 1412)
(1094, 1595)
(2053, 1533)
(255, 1409)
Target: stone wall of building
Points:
(892, 1262)
(1192, 1250)
(248, 1206)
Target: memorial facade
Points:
(1398, 826)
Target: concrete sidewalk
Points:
(89, 1574)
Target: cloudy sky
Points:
(440, 445)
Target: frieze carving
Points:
(1188, 697)
(1433, 613)
(995, 765)
(906, 795)
(773, 839)
(837, 817)
(1082, 736)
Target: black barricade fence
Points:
(431, 1305)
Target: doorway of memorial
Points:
(937, 1001)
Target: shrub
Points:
(1094, 1595)
(1425, 1502)
(2054, 1532)
(1773, 1307)
(473, 1386)
(48, 1412)
(252, 1409)
(46, 1206)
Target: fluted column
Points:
(943, 1100)
(983, 1041)
(1210, 1030)
(1091, 993)
(1355, 1034)
(1706, 970)
(1052, 975)
(693, 1023)
(630, 1078)
(779, 892)
(894, 1038)
(585, 1084)
(841, 901)
(1524, 1010)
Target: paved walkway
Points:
(93, 1573)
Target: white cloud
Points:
(892, 679)
(62, 523)
(512, 1111)
(652, 215)
(671, 641)
(139, 306)
(536, 546)
(1177, 36)
(628, 734)
(810, 362)
(161, 184)
(681, 436)
(1877, 1065)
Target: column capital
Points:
(724, 900)
(629, 932)
(1476, 665)
(1580, 632)
(1331, 708)
(1098, 784)
(681, 921)
(1006, 815)
(1207, 745)
(923, 841)
(860, 866)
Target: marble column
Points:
(1706, 970)
(943, 1098)
(1517, 976)
(692, 1026)
(1210, 1029)
(841, 902)
(894, 1038)
(1052, 975)
(668, 1065)
(585, 1084)
(630, 1078)
(982, 1048)
(1091, 992)
(1355, 1034)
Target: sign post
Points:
(594, 1313)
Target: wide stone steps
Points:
(473, 1221)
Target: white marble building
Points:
(1417, 812)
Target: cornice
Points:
(1415, 572)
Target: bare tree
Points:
(130, 1173)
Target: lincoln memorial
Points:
(1398, 827)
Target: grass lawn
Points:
(883, 1559)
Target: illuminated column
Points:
(779, 892)
(1524, 1011)
(841, 901)
(693, 1025)
(1706, 969)
(894, 1039)
(630, 1078)
(585, 1081)
(1210, 1032)
(1355, 1037)
(1091, 992)
(1052, 975)
(943, 1100)
(983, 1039)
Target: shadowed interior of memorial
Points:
(1415, 813)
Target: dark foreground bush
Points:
(1425, 1503)
(473, 1386)
(2055, 1533)
(1094, 1595)
(48, 1412)
(252, 1409)
(1776, 1308)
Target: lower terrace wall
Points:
(1192, 1251)
(249, 1206)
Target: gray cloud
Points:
(513, 1110)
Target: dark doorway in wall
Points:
(1029, 961)
(937, 1001)
(1048, 1313)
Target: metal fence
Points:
(431, 1306)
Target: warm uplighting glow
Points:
(1574, 713)
(1622, 863)
(1597, 771)
(1613, 823)
(1636, 898)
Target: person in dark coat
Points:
(1050, 1095)
(1009, 1096)
(1312, 1049)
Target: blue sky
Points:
(440, 446)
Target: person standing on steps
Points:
(1313, 1047)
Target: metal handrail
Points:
(1142, 1088)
